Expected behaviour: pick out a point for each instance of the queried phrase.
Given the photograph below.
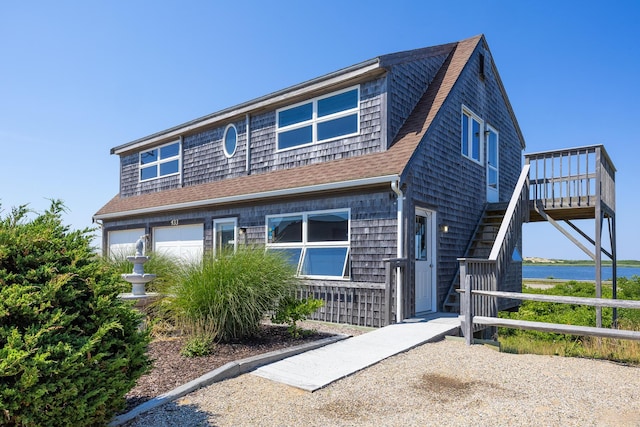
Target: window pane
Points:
(324, 262)
(149, 172)
(492, 180)
(225, 236)
(295, 115)
(169, 168)
(493, 149)
(475, 148)
(292, 255)
(230, 140)
(169, 151)
(284, 229)
(329, 227)
(295, 137)
(337, 103)
(148, 156)
(465, 135)
(338, 127)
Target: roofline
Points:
(284, 95)
(364, 182)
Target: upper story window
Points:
(321, 119)
(230, 140)
(160, 161)
(316, 243)
(471, 136)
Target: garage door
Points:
(180, 241)
(122, 243)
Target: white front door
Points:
(425, 260)
(492, 165)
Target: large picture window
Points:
(316, 243)
(321, 119)
(160, 161)
(471, 136)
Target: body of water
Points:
(574, 272)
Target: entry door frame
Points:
(425, 264)
(493, 165)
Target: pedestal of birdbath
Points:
(138, 278)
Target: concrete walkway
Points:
(315, 369)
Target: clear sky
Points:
(79, 77)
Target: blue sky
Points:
(78, 78)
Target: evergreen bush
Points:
(69, 349)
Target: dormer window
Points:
(160, 161)
(321, 119)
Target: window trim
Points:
(224, 141)
(157, 163)
(471, 115)
(304, 244)
(314, 121)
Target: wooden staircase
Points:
(479, 246)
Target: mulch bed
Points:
(171, 369)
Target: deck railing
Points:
(487, 274)
(575, 177)
(357, 303)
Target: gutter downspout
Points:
(400, 253)
(248, 137)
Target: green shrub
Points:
(230, 295)
(291, 310)
(69, 349)
(197, 346)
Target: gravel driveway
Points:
(437, 384)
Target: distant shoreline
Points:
(570, 263)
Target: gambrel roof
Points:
(366, 170)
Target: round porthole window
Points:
(230, 140)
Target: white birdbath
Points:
(138, 278)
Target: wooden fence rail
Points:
(470, 321)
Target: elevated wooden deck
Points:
(554, 186)
(570, 184)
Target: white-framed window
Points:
(316, 243)
(160, 161)
(230, 140)
(225, 231)
(321, 119)
(472, 131)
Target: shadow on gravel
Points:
(174, 414)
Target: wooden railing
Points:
(357, 303)
(575, 177)
(487, 274)
(475, 316)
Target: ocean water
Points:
(574, 272)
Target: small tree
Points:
(69, 349)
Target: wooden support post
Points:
(467, 324)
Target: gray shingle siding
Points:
(203, 158)
(373, 226)
(407, 82)
(440, 178)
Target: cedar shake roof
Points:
(375, 168)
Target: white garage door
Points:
(181, 241)
(122, 243)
